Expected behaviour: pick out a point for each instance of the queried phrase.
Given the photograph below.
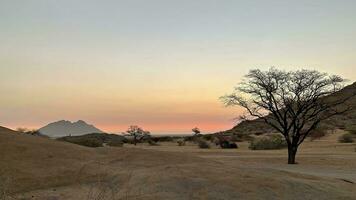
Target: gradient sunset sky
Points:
(160, 64)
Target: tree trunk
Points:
(292, 152)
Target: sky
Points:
(159, 64)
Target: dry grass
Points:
(41, 168)
(4, 186)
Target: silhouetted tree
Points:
(293, 103)
(196, 131)
(137, 133)
(196, 135)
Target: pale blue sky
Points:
(159, 63)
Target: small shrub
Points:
(317, 134)
(268, 143)
(351, 129)
(162, 139)
(346, 138)
(195, 139)
(96, 139)
(88, 142)
(203, 144)
(189, 139)
(228, 145)
(233, 146)
(236, 138)
(152, 143)
(208, 137)
(241, 138)
(116, 143)
(181, 143)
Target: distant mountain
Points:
(258, 126)
(66, 128)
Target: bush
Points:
(208, 137)
(351, 129)
(228, 145)
(95, 139)
(236, 138)
(346, 138)
(203, 144)
(181, 143)
(116, 143)
(317, 134)
(152, 143)
(268, 143)
(190, 139)
(163, 138)
(241, 138)
(88, 142)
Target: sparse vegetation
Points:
(268, 143)
(95, 140)
(152, 143)
(225, 142)
(317, 133)
(203, 144)
(347, 138)
(88, 142)
(351, 129)
(208, 137)
(83, 173)
(164, 138)
(116, 143)
(190, 139)
(228, 145)
(138, 134)
(181, 143)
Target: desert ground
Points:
(32, 167)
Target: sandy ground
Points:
(37, 168)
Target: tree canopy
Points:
(292, 102)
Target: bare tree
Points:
(137, 133)
(293, 103)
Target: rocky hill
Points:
(66, 128)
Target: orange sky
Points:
(159, 64)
